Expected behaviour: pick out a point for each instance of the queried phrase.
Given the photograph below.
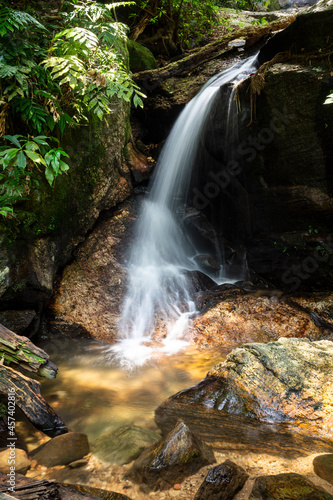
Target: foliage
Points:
(53, 77)
(190, 20)
(20, 162)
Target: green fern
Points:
(11, 20)
(67, 69)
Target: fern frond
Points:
(11, 20)
(82, 36)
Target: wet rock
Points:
(88, 298)
(207, 263)
(16, 457)
(222, 482)
(323, 467)
(179, 454)
(199, 281)
(62, 450)
(124, 444)
(287, 486)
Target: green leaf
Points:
(49, 175)
(13, 139)
(21, 160)
(36, 158)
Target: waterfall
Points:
(163, 253)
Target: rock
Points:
(264, 398)
(62, 450)
(88, 298)
(124, 444)
(199, 281)
(15, 457)
(141, 57)
(177, 455)
(207, 263)
(78, 463)
(26, 487)
(222, 482)
(287, 486)
(17, 321)
(323, 467)
(91, 492)
(231, 316)
(288, 381)
(138, 164)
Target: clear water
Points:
(158, 294)
(93, 395)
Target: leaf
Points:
(13, 139)
(63, 166)
(21, 160)
(49, 175)
(36, 158)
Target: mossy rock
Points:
(124, 444)
(140, 57)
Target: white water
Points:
(159, 290)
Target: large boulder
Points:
(263, 394)
(140, 57)
(288, 381)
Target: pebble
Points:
(177, 487)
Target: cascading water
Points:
(163, 253)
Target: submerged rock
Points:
(323, 467)
(62, 450)
(124, 444)
(222, 482)
(287, 486)
(179, 454)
